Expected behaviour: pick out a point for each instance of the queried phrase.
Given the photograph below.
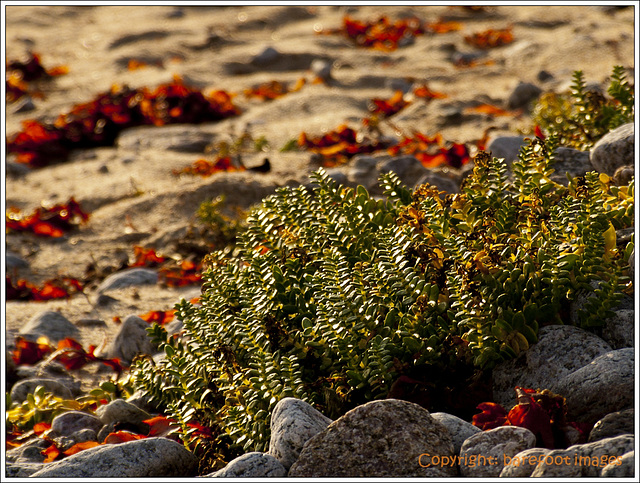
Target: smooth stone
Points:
(132, 339)
(624, 468)
(127, 278)
(293, 423)
(614, 149)
(408, 168)
(560, 350)
(337, 175)
(523, 94)
(266, 57)
(29, 452)
(619, 330)
(13, 261)
(569, 160)
(16, 170)
(322, 69)
(484, 454)
(52, 325)
(252, 465)
(505, 147)
(149, 457)
(522, 464)
(440, 180)
(603, 386)
(22, 470)
(22, 388)
(613, 424)
(180, 138)
(583, 459)
(67, 423)
(459, 429)
(378, 439)
(121, 411)
(624, 175)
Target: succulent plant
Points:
(336, 297)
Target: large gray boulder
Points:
(485, 454)
(252, 465)
(150, 457)
(293, 423)
(388, 438)
(560, 350)
(613, 424)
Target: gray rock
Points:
(22, 470)
(337, 175)
(623, 175)
(603, 386)
(619, 330)
(399, 84)
(16, 170)
(624, 467)
(132, 339)
(22, 388)
(29, 452)
(459, 429)
(14, 261)
(180, 138)
(523, 464)
(505, 147)
(121, 411)
(293, 423)
(322, 69)
(613, 424)
(614, 149)
(569, 160)
(560, 350)
(441, 178)
(52, 325)
(388, 438)
(70, 422)
(408, 169)
(485, 454)
(583, 459)
(84, 435)
(25, 104)
(127, 278)
(523, 94)
(266, 57)
(252, 465)
(149, 457)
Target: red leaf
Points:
(122, 437)
(539, 133)
(51, 453)
(146, 257)
(158, 316)
(493, 415)
(528, 414)
(490, 38)
(160, 425)
(27, 352)
(389, 107)
(491, 110)
(49, 222)
(424, 92)
(41, 427)
(206, 168)
(381, 34)
(76, 448)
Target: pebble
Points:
(378, 439)
(13, 261)
(523, 95)
(322, 69)
(22, 388)
(72, 421)
(613, 424)
(569, 160)
(180, 138)
(132, 339)
(293, 423)
(128, 278)
(624, 175)
(614, 149)
(16, 170)
(149, 457)
(265, 57)
(121, 411)
(459, 429)
(50, 324)
(505, 147)
(252, 465)
(484, 454)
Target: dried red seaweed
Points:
(490, 38)
(49, 222)
(57, 288)
(382, 34)
(206, 168)
(98, 122)
(20, 73)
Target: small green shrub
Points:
(579, 119)
(335, 296)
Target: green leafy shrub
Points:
(336, 298)
(583, 116)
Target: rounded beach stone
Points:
(569, 160)
(485, 454)
(121, 411)
(127, 278)
(459, 429)
(66, 424)
(603, 386)
(388, 438)
(523, 94)
(149, 457)
(22, 388)
(623, 175)
(132, 339)
(614, 149)
(560, 350)
(523, 464)
(625, 467)
(252, 465)
(613, 424)
(293, 423)
(505, 147)
(50, 324)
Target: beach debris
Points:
(51, 221)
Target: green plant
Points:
(338, 298)
(583, 116)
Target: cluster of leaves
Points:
(173, 273)
(337, 298)
(490, 38)
(98, 122)
(542, 412)
(56, 288)
(420, 146)
(53, 221)
(582, 116)
(273, 90)
(19, 74)
(68, 352)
